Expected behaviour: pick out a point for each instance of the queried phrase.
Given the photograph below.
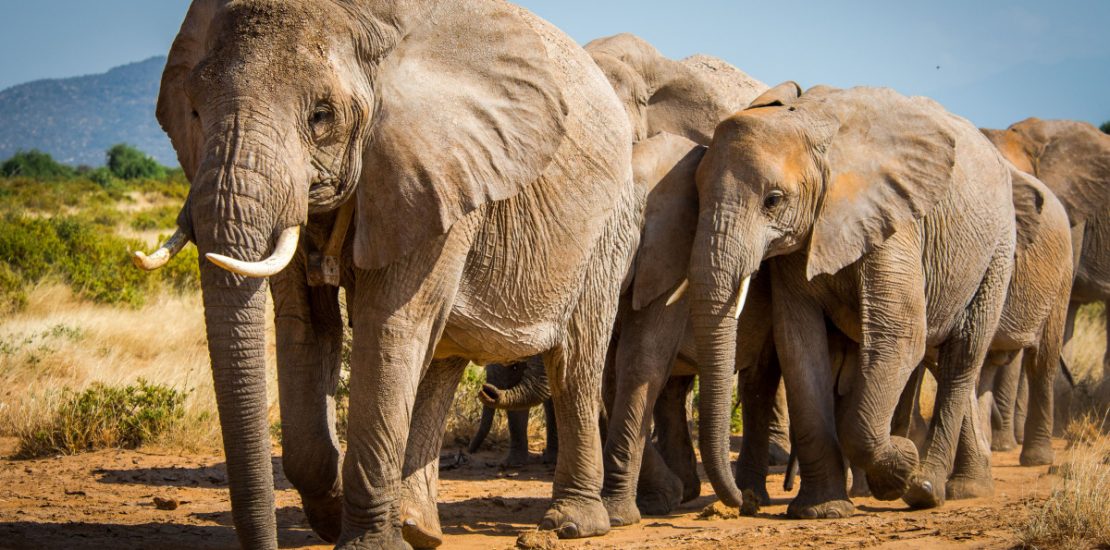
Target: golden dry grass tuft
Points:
(1077, 513)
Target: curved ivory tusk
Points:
(679, 292)
(163, 255)
(281, 256)
(742, 296)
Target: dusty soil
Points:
(107, 500)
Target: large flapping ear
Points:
(890, 162)
(693, 96)
(779, 96)
(174, 111)
(1073, 160)
(1029, 201)
(664, 165)
(471, 111)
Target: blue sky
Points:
(998, 61)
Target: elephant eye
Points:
(321, 117)
(773, 200)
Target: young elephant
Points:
(880, 217)
(517, 387)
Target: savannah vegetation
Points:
(96, 354)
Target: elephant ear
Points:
(1075, 164)
(890, 161)
(1029, 201)
(174, 111)
(664, 166)
(471, 111)
(779, 96)
(687, 103)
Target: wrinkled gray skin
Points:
(673, 107)
(880, 219)
(482, 147)
(1073, 159)
(1030, 335)
(517, 387)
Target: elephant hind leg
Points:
(971, 474)
(1040, 367)
(518, 439)
(673, 433)
(420, 474)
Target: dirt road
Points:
(106, 500)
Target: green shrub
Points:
(12, 295)
(164, 217)
(105, 417)
(129, 163)
(1105, 127)
(37, 165)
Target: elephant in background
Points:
(850, 200)
(517, 387)
(437, 178)
(1073, 159)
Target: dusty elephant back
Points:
(737, 87)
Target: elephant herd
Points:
(486, 190)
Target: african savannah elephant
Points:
(853, 201)
(1073, 159)
(472, 146)
(673, 107)
(516, 387)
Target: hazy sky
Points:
(994, 62)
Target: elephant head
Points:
(419, 112)
(829, 174)
(1072, 158)
(686, 98)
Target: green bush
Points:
(129, 163)
(12, 294)
(105, 417)
(164, 217)
(37, 165)
(1105, 127)
(94, 262)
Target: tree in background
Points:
(1105, 127)
(128, 163)
(35, 164)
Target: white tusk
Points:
(281, 256)
(742, 296)
(163, 255)
(679, 292)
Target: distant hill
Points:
(77, 119)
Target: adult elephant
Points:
(1073, 159)
(855, 200)
(477, 147)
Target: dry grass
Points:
(61, 344)
(1077, 514)
(1084, 355)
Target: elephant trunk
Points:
(717, 274)
(531, 391)
(234, 316)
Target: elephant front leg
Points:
(799, 325)
(419, 516)
(309, 335)
(758, 398)
(672, 429)
(1004, 390)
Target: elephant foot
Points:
(660, 493)
(959, 488)
(390, 539)
(325, 515)
(754, 483)
(577, 518)
(804, 507)
(420, 536)
(516, 458)
(889, 475)
(1003, 440)
(420, 524)
(925, 491)
(859, 488)
(622, 511)
(778, 453)
(1037, 454)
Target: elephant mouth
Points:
(328, 194)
